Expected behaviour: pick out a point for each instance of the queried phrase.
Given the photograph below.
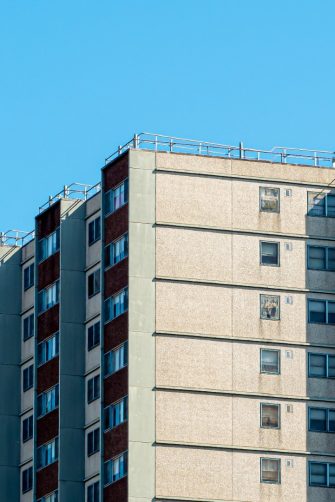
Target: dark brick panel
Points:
(116, 224)
(116, 386)
(48, 375)
(117, 492)
(116, 278)
(47, 427)
(116, 171)
(48, 221)
(48, 323)
(116, 332)
(48, 271)
(116, 441)
(47, 480)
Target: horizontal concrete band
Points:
(251, 395)
(231, 448)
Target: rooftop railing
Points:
(74, 191)
(278, 154)
(16, 237)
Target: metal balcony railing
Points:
(278, 154)
(74, 191)
(16, 237)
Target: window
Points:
(269, 199)
(270, 361)
(116, 413)
(321, 204)
(93, 283)
(321, 258)
(117, 197)
(93, 336)
(93, 388)
(116, 468)
(28, 378)
(48, 349)
(52, 497)
(27, 480)
(269, 253)
(49, 245)
(322, 474)
(28, 277)
(48, 297)
(270, 415)
(28, 327)
(47, 401)
(93, 442)
(116, 251)
(321, 365)
(93, 492)
(116, 359)
(27, 428)
(270, 470)
(270, 307)
(116, 305)
(94, 231)
(321, 312)
(321, 420)
(47, 453)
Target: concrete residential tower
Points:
(168, 334)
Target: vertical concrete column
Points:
(10, 377)
(141, 470)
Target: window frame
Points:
(93, 494)
(326, 248)
(28, 473)
(95, 343)
(94, 226)
(94, 436)
(110, 299)
(113, 189)
(54, 388)
(326, 210)
(28, 277)
(45, 343)
(278, 372)
(277, 244)
(111, 407)
(274, 405)
(260, 308)
(29, 320)
(327, 356)
(328, 464)
(114, 350)
(109, 249)
(260, 200)
(95, 395)
(319, 300)
(30, 428)
(278, 461)
(111, 461)
(29, 370)
(43, 449)
(46, 239)
(327, 411)
(96, 273)
(46, 498)
(43, 292)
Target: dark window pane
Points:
(269, 361)
(317, 365)
(316, 204)
(269, 253)
(331, 366)
(318, 420)
(317, 311)
(318, 474)
(331, 312)
(316, 258)
(331, 205)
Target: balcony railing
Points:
(74, 191)
(16, 237)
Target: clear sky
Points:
(79, 77)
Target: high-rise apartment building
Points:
(169, 333)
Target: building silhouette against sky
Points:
(168, 334)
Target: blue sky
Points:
(80, 77)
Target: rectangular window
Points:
(321, 258)
(28, 327)
(27, 428)
(116, 305)
(93, 283)
(321, 204)
(116, 413)
(116, 359)
(48, 401)
(93, 492)
(269, 199)
(270, 470)
(93, 442)
(321, 420)
(94, 231)
(93, 336)
(321, 312)
(48, 349)
(48, 297)
(47, 453)
(322, 474)
(117, 197)
(116, 251)
(270, 414)
(116, 468)
(270, 307)
(93, 389)
(321, 365)
(28, 277)
(52, 497)
(27, 480)
(269, 253)
(270, 361)
(49, 245)
(28, 378)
